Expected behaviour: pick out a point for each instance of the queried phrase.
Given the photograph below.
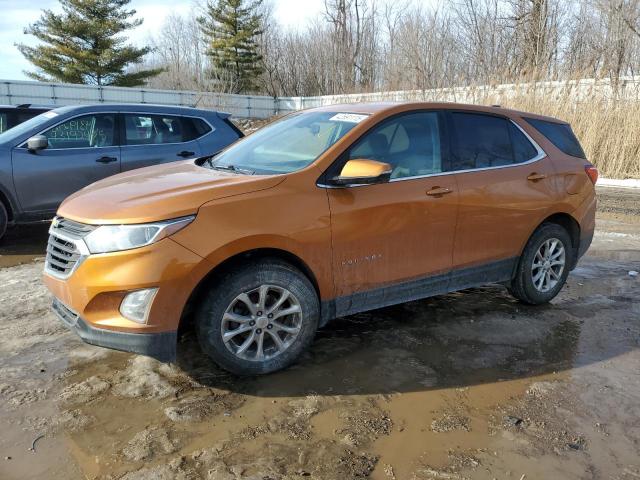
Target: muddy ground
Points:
(467, 385)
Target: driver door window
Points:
(380, 232)
(409, 143)
(83, 132)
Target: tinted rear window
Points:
(482, 141)
(522, 147)
(560, 134)
(200, 127)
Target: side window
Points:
(4, 122)
(199, 127)
(480, 141)
(83, 132)
(148, 129)
(560, 134)
(523, 149)
(409, 143)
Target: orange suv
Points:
(324, 213)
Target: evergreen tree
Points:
(83, 45)
(231, 28)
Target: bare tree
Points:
(179, 51)
(373, 45)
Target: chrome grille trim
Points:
(65, 248)
(72, 228)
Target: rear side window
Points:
(560, 134)
(200, 127)
(481, 141)
(523, 149)
(149, 129)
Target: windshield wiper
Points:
(233, 168)
(229, 168)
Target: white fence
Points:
(246, 106)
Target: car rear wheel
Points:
(543, 266)
(258, 319)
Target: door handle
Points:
(107, 159)
(534, 177)
(186, 153)
(438, 191)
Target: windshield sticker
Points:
(348, 117)
(50, 114)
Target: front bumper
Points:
(98, 285)
(88, 300)
(161, 346)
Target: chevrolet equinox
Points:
(324, 213)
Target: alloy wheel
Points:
(548, 265)
(262, 323)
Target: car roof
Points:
(139, 108)
(27, 106)
(385, 108)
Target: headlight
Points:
(113, 238)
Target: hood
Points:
(158, 193)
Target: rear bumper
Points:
(585, 214)
(585, 242)
(161, 346)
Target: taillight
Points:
(592, 173)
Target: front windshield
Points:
(287, 145)
(26, 127)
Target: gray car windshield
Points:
(31, 124)
(288, 145)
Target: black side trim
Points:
(161, 346)
(585, 242)
(493, 272)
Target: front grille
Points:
(63, 251)
(62, 256)
(68, 316)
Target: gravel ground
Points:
(465, 385)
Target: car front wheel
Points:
(4, 220)
(544, 265)
(259, 318)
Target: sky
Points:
(16, 15)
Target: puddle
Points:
(23, 244)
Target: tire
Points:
(4, 220)
(231, 298)
(527, 285)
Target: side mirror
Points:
(363, 172)
(37, 142)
